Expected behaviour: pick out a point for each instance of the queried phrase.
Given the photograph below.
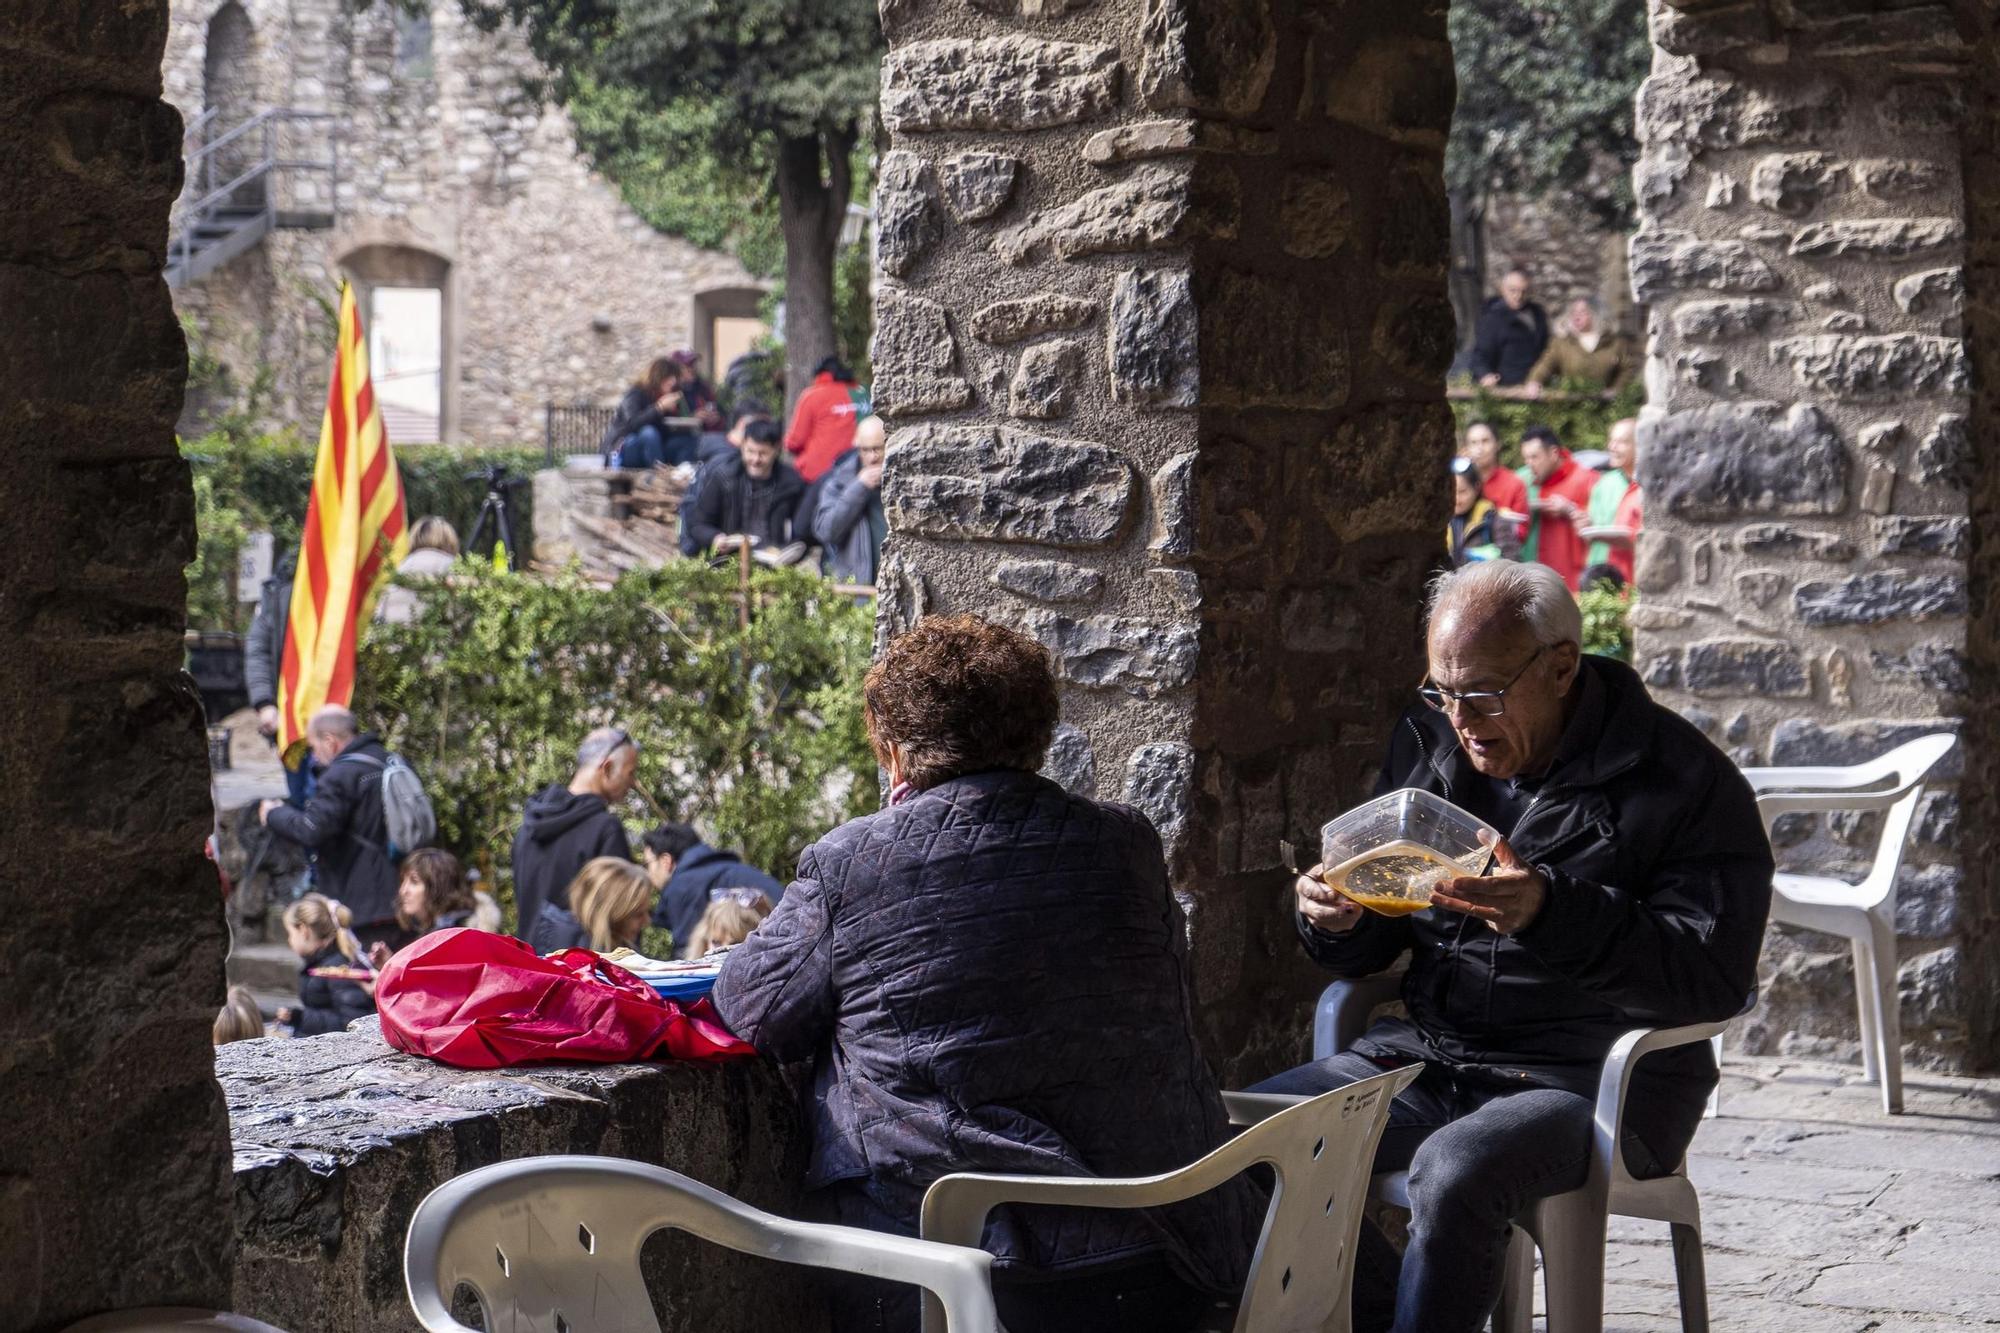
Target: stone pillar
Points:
(1161, 333)
(114, 1165)
(1803, 579)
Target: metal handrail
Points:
(192, 213)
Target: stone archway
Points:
(230, 97)
(417, 381)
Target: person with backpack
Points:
(367, 810)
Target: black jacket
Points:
(557, 928)
(730, 502)
(1659, 883)
(560, 830)
(985, 973)
(343, 826)
(700, 873)
(1508, 342)
(328, 1004)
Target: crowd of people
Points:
(1554, 510)
(1515, 349)
(814, 485)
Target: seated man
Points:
(1629, 890)
(746, 499)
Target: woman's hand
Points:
(1325, 909)
(378, 955)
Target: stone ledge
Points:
(338, 1139)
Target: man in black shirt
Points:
(566, 825)
(749, 498)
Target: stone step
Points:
(264, 967)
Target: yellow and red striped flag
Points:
(355, 534)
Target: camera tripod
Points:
(493, 509)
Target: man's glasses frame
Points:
(1480, 703)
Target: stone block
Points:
(1794, 183)
(1726, 459)
(1071, 763)
(1878, 489)
(1762, 587)
(1005, 322)
(1661, 669)
(1001, 484)
(1939, 536)
(1790, 830)
(978, 185)
(1729, 318)
(1927, 901)
(1711, 31)
(1932, 106)
(1877, 238)
(1413, 230)
(1049, 580)
(1863, 366)
(1881, 437)
(1174, 508)
(1716, 112)
(1798, 742)
(1314, 218)
(1153, 339)
(1317, 620)
(1937, 292)
(908, 221)
(1182, 587)
(1045, 382)
(1929, 991)
(1147, 211)
(1213, 59)
(1657, 564)
(1144, 658)
(1871, 599)
(1945, 456)
(915, 357)
(1788, 540)
(1746, 666)
(1932, 666)
(1663, 168)
(1295, 353)
(1668, 261)
(997, 83)
(1937, 820)
(1147, 139)
(1159, 779)
(1897, 178)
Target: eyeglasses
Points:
(623, 739)
(1479, 703)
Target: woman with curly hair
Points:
(991, 975)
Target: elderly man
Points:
(1510, 336)
(850, 523)
(343, 825)
(1629, 890)
(567, 825)
(1614, 502)
(1585, 353)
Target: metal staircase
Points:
(245, 182)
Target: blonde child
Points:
(331, 990)
(728, 920)
(239, 1019)
(610, 902)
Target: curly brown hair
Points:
(958, 695)
(445, 889)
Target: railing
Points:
(573, 430)
(203, 200)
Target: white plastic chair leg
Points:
(1571, 1231)
(1888, 1012)
(1864, 1000)
(1516, 1311)
(1715, 1093)
(1691, 1276)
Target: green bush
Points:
(752, 733)
(1606, 630)
(1580, 422)
(263, 481)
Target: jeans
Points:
(1479, 1154)
(648, 445)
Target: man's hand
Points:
(1531, 390)
(267, 719)
(870, 477)
(264, 809)
(1325, 909)
(1508, 899)
(1489, 381)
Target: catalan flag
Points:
(355, 534)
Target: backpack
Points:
(406, 810)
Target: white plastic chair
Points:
(551, 1245)
(1569, 1229)
(1864, 914)
(1319, 1148)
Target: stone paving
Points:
(1823, 1215)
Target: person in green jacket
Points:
(1623, 446)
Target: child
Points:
(239, 1019)
(331, 994)
(728, 920)
(610, 902)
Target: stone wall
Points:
(338, 1139)
(114, 1159)
(555, 290)
(1161, 334)
(1807, 450)
(1565, 249)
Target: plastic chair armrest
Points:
(1250, 1108)
(1615, 1082)
(956, 1206)
(1342, 1012)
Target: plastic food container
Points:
(1389, 854)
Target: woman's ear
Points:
(893, 761)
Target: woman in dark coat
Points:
(638, 436)
(991, 975)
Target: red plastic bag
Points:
(482, 1001)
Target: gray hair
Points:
(600, 744)
(333, 720)
(1533, 594)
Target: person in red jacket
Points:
(1508, 492)
(1559, 502)
(823, 420)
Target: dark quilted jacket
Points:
(992, 976)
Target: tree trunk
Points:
(814, 183)
(1467, 282)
